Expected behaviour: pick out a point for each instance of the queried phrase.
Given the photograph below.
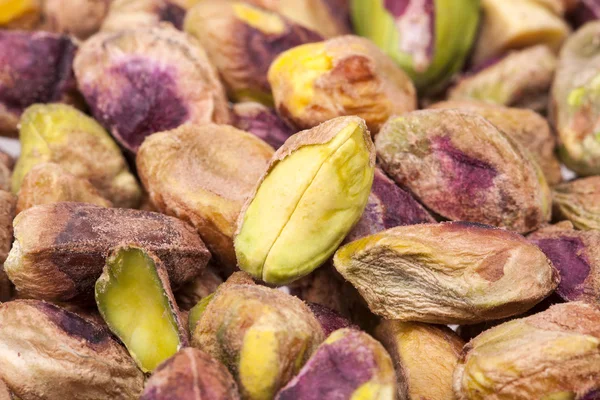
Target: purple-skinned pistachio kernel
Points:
(585, 11)
(329, 319)
(261, 121)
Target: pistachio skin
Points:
(127, 14)
(262, 122)
(329, 319)
(7, 213)
(578, 202)
(79, 18)
(198, 288)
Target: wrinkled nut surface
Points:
(314, 191)
(198, 288)
(191, 372)
(463, 168)
(60, 249)
(579, 202)
(48, 353)
(528, 128)
(346, 75)
(511, 80)
(349, 364)
(128, 14)
(262, 122)
(80, 18)
(551, 355)
(203, 174)
(243, 59)
(64, 135)
(147, 80)
(447, 273)
(20, 14)
(262, 335)
(424, 358)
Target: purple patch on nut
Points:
(262, 122)
(73, 324)
(172, 13)
(330, 320)
(585, 11)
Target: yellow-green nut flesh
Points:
(575, 105)
(134, 297)
(64, 135)
(20, 14)
(424, 357)
(262, 335)
(314, 191)
(551, 355)
(48, 353)
(579, 202)
(347, 75)
(447, 273)
(462, 167)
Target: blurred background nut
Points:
(20, 14)
(64, 135)
(314, 191)
(447, 273)
(128, 14)
(348, 364)
(80, 18)
(346, 75)
(47, 353)
(5, 394)
(584, 11)
(579, 202)
(430, 40)
(7, 213)
(424, 357)
(262, 122)
(203, 174)
(243, 59)
(138, 82)
(198, 288)
(463, 168)
(190, 373)
(553, 354)
(7, 164)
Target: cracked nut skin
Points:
(79, 18)
(262, 335)
(511, 80)
(262, 122)
(60, 249)
(191, 373)
(7, 213)
(575, 104)
(551, 355)
(314, 191)
(349, 364)
(128, 14)
(347, 75)
(528, 128)
(20, 14)
(48, 353)
(447, 273)
(474, 172)
(138, 82)
(243, 59)
(429, 39)
(424, 358)
(198, 288)
(579, 202)
(35, 68)
(203, 174)
(63, 135)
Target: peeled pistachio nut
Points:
(526, 127)
(424, 357)
(579, 202)
(463, 168)
(262, 335)
(190, 373)
(36, 68)
(146, 80)
(346, 75)
(60, 249)
(315, 189)
(349, 364)
(262, 122)
(511, 80)
(64, 135)
(430, 40)
(128, 14)
(50, 183)
(80, 18)
(551, 355)
(447, 273)
(19, 14)
(47, 353)
(198, 288)
(329, 319)
(516, 24)
(575, 104)
(243, 59)
(203, 174)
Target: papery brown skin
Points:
(262, 122)
(128, 14)
(243, 59)
(60, 249)
(189, 374)
(329, 319)
(553, 354)
(35, 68)
(463, 168)
(424, 358)
(579, 202)
(79, 18)
(7, 163)
(198, 288)
(138, 82)
(203, 175)
(526, 127)
(447, 273)
(48, 353)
